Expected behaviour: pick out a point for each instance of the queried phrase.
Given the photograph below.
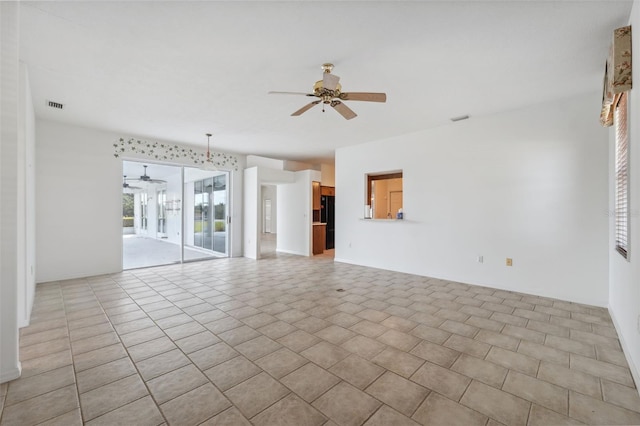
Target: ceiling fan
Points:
(125, 185)
(329, 92)
(146, 178)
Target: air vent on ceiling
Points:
(462, 117)
(53, 104)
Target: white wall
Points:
(234, 186)
(328, 174)
(529, 184)
(298, 166)
(270, 163)
(624, 276)
(10, 164)
(294, 214)
(26, 250)
(79, 192)
(251, 213)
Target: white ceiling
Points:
(177, 70)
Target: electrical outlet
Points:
(509, 261)
(480, 259)
(638, 323)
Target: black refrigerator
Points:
(327, 215)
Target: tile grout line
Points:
(191, 362)
(75, 375)
(5, 396)
(249, 289)
(130, 359)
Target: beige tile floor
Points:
(303, 341)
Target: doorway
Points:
(268, 235)
(266, 214)
(165, 220)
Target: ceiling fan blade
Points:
(330, 81)
(344, 110)
(290, 93)
(305, 108)
(364, 96)
(125, 185)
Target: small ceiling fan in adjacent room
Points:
(125, 185)
(145, 178)
(329, 92)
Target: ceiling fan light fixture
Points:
(329, 92)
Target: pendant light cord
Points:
(208, 147)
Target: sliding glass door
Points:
(219, 197)
(206, 202)
(179, 214)
(201, 226)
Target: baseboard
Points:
(12, 374)
(515, 289)
(626, 350)
(291, 252)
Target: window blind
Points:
(622, 177)
(617, 74)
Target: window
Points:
(622, 177)
(128, 206)
(384, 194)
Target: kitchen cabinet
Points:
(328, 190)
(319, 236)
(316, 195)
